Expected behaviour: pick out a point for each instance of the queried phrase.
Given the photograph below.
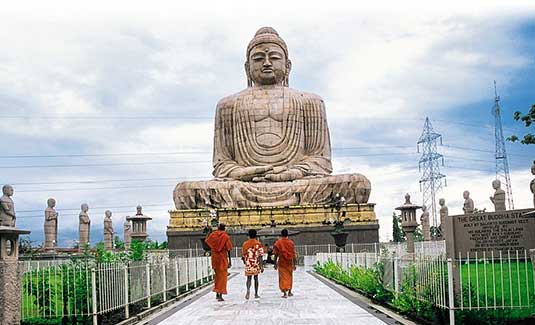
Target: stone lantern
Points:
(139, 225)
(408, 221)
(10, 275)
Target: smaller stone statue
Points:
(127, 232)
(51, 225)
(7, 207)
(499, 196)
(532, 184)
(468, 206)
(108, 231)
(443, 215)
(84, 226)
(426, 227)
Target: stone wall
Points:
(319, 235)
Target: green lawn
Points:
(509, 285)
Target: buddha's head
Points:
(107, 214)
(442, 202)
(466, 195)
(51, 202)
(7, 190)
(84, 207)
(267, 61)
(496, 184)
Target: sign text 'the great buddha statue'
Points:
(271, 143)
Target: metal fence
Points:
(87, 290)
(472, 281)
(422, 248)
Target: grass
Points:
(504, 285)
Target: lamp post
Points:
(339, 235)
(408, 221)
(139, 225)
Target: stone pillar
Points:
(127, 233)
(10, 275)
(408, 221)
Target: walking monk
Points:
(252, 252)
(285, 261)
(220, 246)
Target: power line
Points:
(168, 153)
(170, 162)
(97, 208)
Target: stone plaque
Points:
(492, 231)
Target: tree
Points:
(528, 120)
(397, 233)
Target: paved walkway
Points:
(313, 303)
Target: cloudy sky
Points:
(113, 105)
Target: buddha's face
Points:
(496, 184)
(51, 203)
(7, 190)
(466, 195)
(267, 64)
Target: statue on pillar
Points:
(7, 207)
(108, 231)
(84, 226)
(468, 206)
(532, 184)
(443, 215)
(426, 227)
(51, 225)
(127, 232)
(499, 196)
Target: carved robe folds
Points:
(271, 126)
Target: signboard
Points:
(490, 232)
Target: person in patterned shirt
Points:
(252, 252)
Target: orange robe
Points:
(220, 244)
(252, 251)
(284, 248)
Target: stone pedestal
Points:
(308, 223)
(10, 275)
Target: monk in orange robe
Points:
(252, 252)
(285, 262)
(220, 246)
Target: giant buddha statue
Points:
(271, 143)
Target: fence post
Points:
(396, 274)
(126, 290)
(187, 274)
(177, 278)
(375, 249)
(451, 303)
(94, 295)
(164, 274)
(306, 251)
(147, 269)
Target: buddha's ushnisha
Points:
(271, 142)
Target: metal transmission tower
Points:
(502, 164)
(431, 181)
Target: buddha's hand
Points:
(247, 174)
(285, 176)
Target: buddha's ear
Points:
(248, 74)
(288, 69)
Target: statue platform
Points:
(309, 223)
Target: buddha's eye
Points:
(275, 56)
(257, 57)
